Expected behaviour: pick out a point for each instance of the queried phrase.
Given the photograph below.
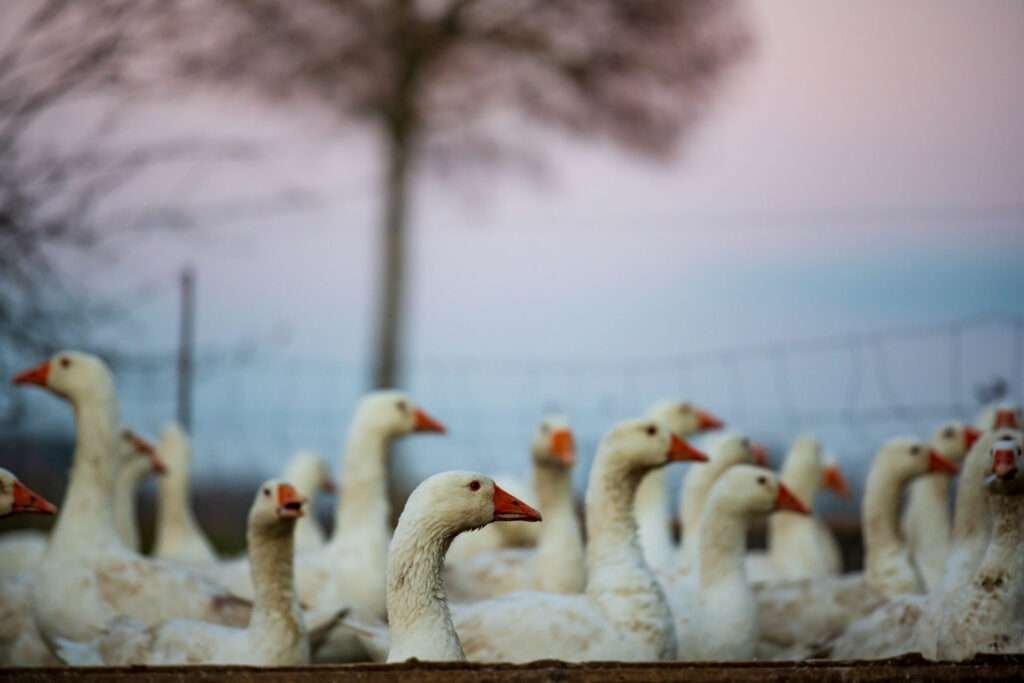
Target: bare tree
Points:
(639, 73)
(54, 54)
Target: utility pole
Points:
(186, 339)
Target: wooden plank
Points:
(1005, 668)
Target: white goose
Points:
(910, 623)
(714, 606)
(728, 451)
(797, 617)
(20, 644)
(557, 565)
(802, 546)
(652, 510)
(926, 522)
(351, 568)
(440, 507)
(276, 635)
(622, 615)
(23, 550)
(494, 537)
(178, 535)
(130, 474)
(308, 472)
(984, 614)
(88, 576)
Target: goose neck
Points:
(363, 509)
(612, 542)
(277, 616)
(86, 515)
(881, 512)
(723, 546)
(417, 603)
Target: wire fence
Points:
(853, 391)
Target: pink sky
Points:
(863, 140)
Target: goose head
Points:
(643, 445)
(737, 449)
(392, 413)
(906, 458)
(309, 473)
(954, 439)
(684, 419)
(72, 375)
(134, 446)
(1000, 416)
(16, 498)
(812, 469)
(750, 490)
(459, 501)
(553, 443)
(1006, 470)
(277, 506)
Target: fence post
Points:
(186, 338)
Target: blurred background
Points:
(803, 216)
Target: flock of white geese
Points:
(943, 576)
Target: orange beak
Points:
(1005, 419)
(1004, 463)
(289, 502)
(835, 482)
(425, 423)
(760, 454)
(681, 451)
(786, 500)
(937, 463)
(563, 446)
(39, 375)
(971, 436)
(27, 500)
(508, 508)
(706, 421)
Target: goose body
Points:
(714, 606)
(88, 576)
(276, 635)
(798, 617)
(350, 569)
(556, 565)
(801, 546)
(986, 614)
(652, 510)
(728, 451)
(622, 614)
(926, 522)
(178, 535)
(20, 641)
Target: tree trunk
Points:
(387, 348)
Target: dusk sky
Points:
(863, 170)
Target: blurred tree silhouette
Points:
(638, 73)
(55, 55)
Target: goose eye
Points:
(403, 406)
(762, 480)
(474, 485)
(65, 362)
(915, 450)
(685, 408)
(544, 429)
(266, 492)
(949, 433)
(651, 430)
(746, 443)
